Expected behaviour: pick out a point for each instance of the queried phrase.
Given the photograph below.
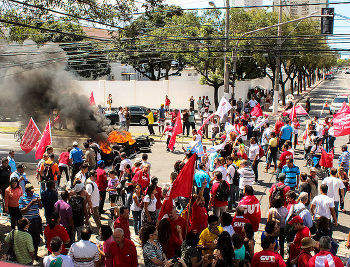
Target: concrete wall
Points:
(152, 93)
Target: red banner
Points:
(44, 141)
(341, 125)
(295, 110)
(326, 159)
(30, 137)
(200, 130)
(177, 129)
(345, 109)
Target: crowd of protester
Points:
(217, 226)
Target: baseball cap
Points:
(100, 162)
(29, 186)
(308, 242)
(296, 219)
(75, 143)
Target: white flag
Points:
(223, 108)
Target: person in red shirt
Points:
(63, 164)
(307, 245)
(167, 103)
(102, 184)
(281, 186)
(286, 154)
(239, 222)
(199, 216)
(54, 229)
(219, 205)
(267, 257)
(325, 257)
(279, 124)
(302, 231)
(142, 178)
(159, 194)
(252, 207)
(123, 221)
(123, 250)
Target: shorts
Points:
(112, 198)
(161, 122)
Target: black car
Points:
(136, 115)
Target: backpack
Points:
(279, 192)
(289, 231)
(261, 152)
(77, 204)
(47, 172)
(235, 178)
(223, 191)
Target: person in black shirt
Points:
(5, 173)
(49, 197)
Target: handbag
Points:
(11, 256)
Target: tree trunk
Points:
(292, 85)
(299, 83)
(304, 82)
(216, 96)
(283, 93)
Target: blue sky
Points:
(341, 25)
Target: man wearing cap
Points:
(302, 231)
(76, 156)
(29, 205)
(307, 245)
(102, 184)
(325, 257)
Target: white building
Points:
(253, 2)
(301, 10)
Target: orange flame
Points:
(120, 137)
(105, 148)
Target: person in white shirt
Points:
(265, 138)
(84, 253)
(335, 188)
(219, 164)
(56, 258)
(93, 192)
(122, 118)
(125, 161)
(252, 102)
(233, 181)
(226, 223)
(246, 175)
(301, 210)
(322, 205)
(81, 175)
(253, 156)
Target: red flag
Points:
(177, 129)
(345, 109)
(166, 208)
(326, 159)
(30, 137)
(200, 130)
(252, 210)
(44, 141)
(341, 125)
(92, 99)
(256, 111)
(182, 186)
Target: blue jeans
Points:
(336, 208)
(137, 221)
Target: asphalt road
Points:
(162, 162)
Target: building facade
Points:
(301, 10)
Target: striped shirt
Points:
(344, 159)
(246, 177)
(33, 210)
(291, 175)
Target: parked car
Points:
(337, 103)
(136, 115)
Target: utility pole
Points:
(278, 62)
(227, 32)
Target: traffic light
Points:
(327, 23)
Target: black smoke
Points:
(36, 84)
